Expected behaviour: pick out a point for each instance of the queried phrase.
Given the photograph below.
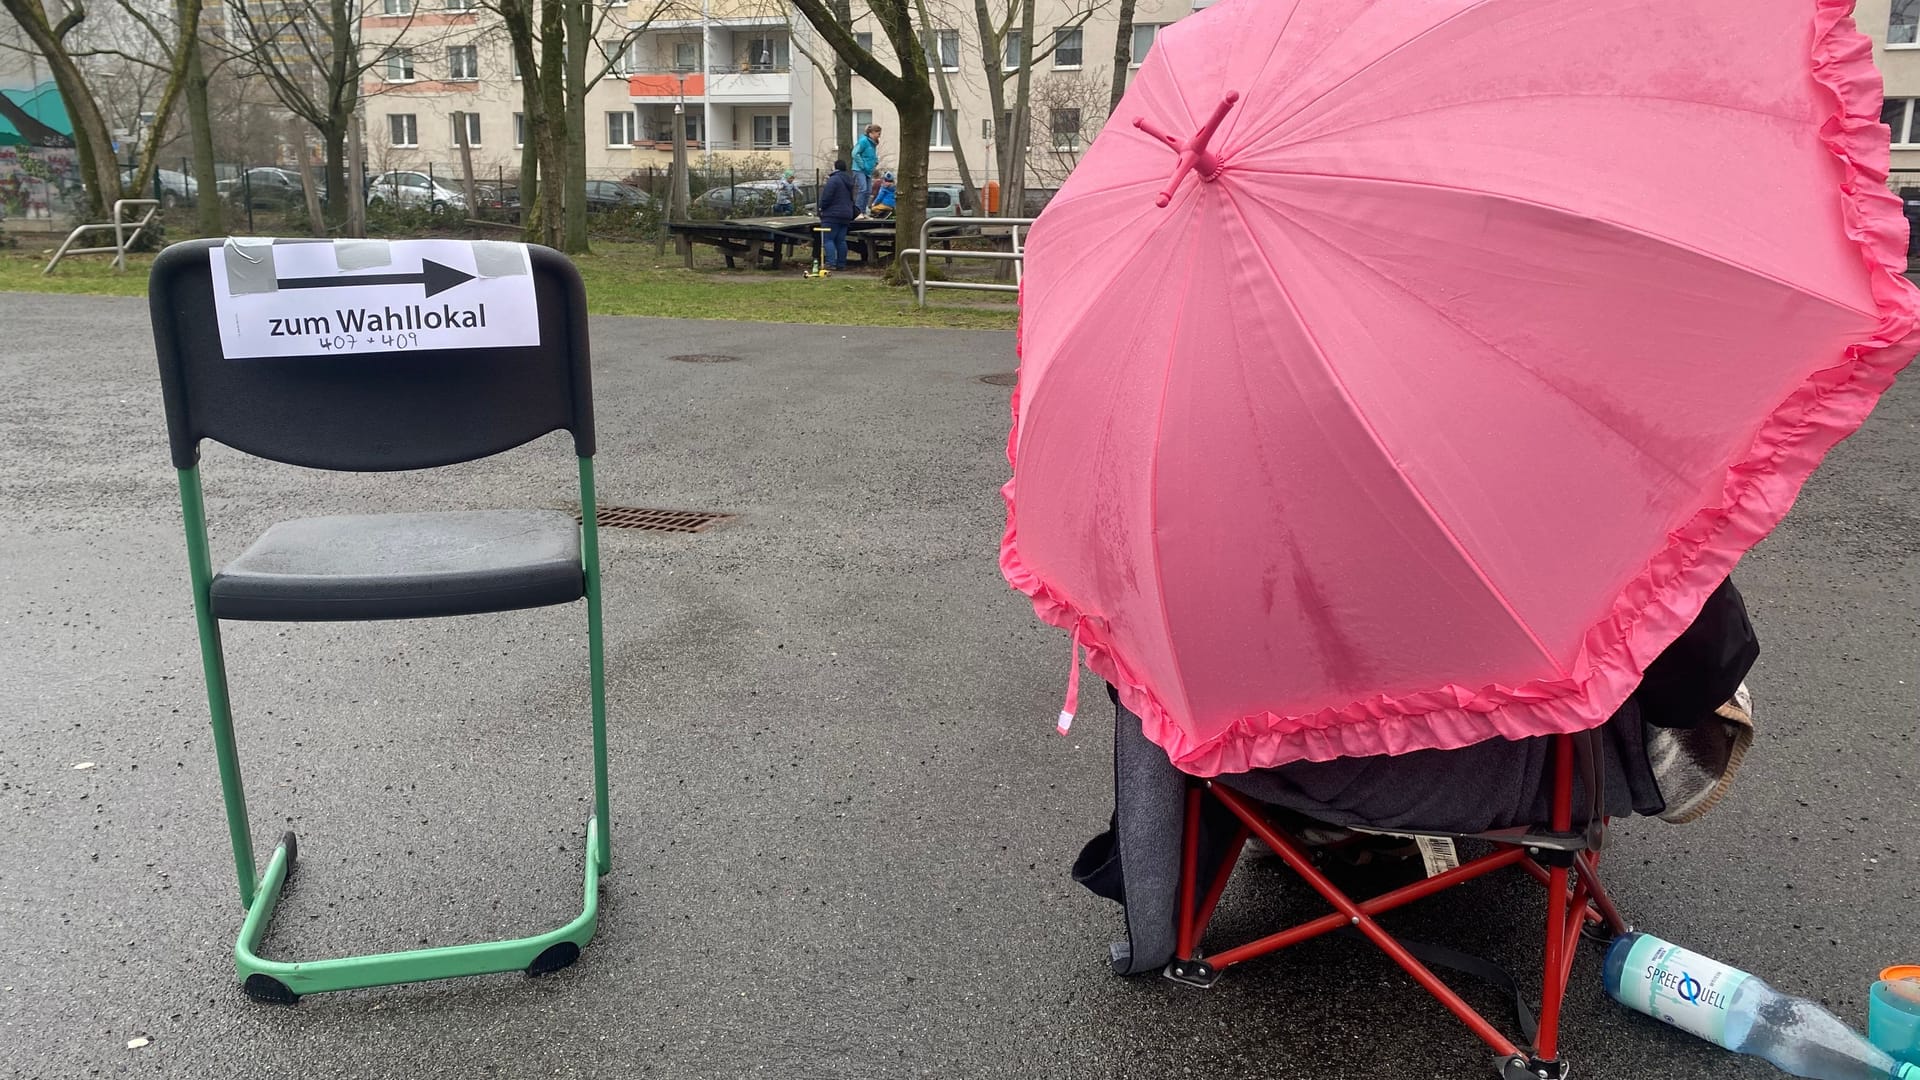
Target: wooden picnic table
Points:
(770, 241)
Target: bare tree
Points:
(52, 35)
(1122, 55)
(150, 68)
(908, 89)
(833, 70)
(310, 53)
(1001, 23)
(1070, 111)
(562, 54)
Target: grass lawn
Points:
(622, 279)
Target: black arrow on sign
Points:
(436, 277)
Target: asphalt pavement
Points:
(842, 822)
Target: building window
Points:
(403, 129)
(459, 5)
(1065, 124)
(986, 129)
(943, 50)
(400, 66)
(516, 63)
(619, 56)
(944, 123)
(621, 128)
(767, 53)
(1143, 36)
(865, 41)
(861, 118)
(1897, 113)
(1903, 23)
(519, 130)
(473, 128)
(686, 56)
(396, 7)
(772, 133)
(696, 124)
(1068, 45)
(1010, 60)
(463, 62)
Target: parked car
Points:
(951, 200)
(414, 189)
(608, 195)
(498, 196)
(752, 198)
(176, 188)
(268, 187)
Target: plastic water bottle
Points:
(1727, 1006)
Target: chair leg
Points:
(1186, 939)
(214, 666)
(602, 849)
(284, 982)
(1553, 988)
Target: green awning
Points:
(34, 117)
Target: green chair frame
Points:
(282, 981)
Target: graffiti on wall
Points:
(38, 182)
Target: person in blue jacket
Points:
(866, 161)
(883, 198)
(839, 205)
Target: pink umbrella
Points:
(1402, 375)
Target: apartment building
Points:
(432, 59)
(1894, 26)
(748, 79)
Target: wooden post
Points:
(466, 164)
(356, 176)
(318, 222)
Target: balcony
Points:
(666, 86)
(751, 83)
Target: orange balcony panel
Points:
(665, 86)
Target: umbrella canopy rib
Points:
(1373, 434)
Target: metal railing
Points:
(121, 240)
(1017, 256)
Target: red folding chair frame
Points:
(1565, 862)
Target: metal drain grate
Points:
(1005, 378)
(704, 358)
(650, 520)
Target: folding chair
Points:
(374, 412)
(1562, 856)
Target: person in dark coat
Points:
(839, 204)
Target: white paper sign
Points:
(306, 298)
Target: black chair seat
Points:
(403, 566)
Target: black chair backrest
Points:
(369, 411)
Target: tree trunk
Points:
(466, 165)
(553, 122)
(1013, 187)
(992, 45)
(946, 102)
(1122, 56)
(518, 19)
(315, 220)
(843, 136)
(334, 140)
(916, 134)
(356, 180)
(343, 100)
(211, 214)
(580, 47)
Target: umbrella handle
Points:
(1194, 155)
